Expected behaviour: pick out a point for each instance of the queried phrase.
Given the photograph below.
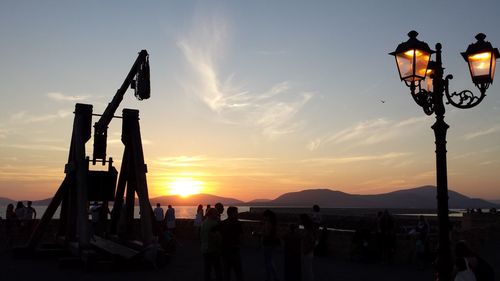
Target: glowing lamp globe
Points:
(412, 59)
(429, 78)
(481, 57)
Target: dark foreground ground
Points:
(186, 264)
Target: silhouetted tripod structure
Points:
(82, 185)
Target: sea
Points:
(189, 212)
(181, 212)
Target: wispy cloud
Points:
(4, 132)
(353, 159)
(367, 132)
(426, 175)
(36, 173)
(273, 111)
(205, 161)
(382, 183)
(61, 97)
(180, 161)
(26, 117)
(214, 168)
(483, 132)
(38, 147)
(18, 115)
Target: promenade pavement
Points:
(186, 264)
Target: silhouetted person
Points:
(482, 270)
(198, 218)
(270, 243)
(308, 244)
(158, 212)
(316, 216)
(11, 224)
(231, 231)
(422, 231)
(220, 210)
(422, 227)
(210, 246)
(21, 218)
(170, 219)
(20, 211)
(29, 216)
(293, 254)
(159, 216)
(30, 212)
(462, 271)
(317, 220)
(206, 210)
(386, 235)
(95, 213)
(10, 214)
(420, 250)
(102, 227)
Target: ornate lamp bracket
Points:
(423, 98)
(466, 98)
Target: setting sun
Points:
(185, 187)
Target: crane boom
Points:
(141, 85)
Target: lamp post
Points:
(428, 89)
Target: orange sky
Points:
(249, 100)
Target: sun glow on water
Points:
(185, 187)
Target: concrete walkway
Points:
(186, 264)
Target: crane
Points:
(82, 185)
(137, 79)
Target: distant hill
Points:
(423, 197)
(258, 201)
(194, 200)
(6, 201)
(419, 198)
(42, 202)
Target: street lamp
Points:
(428, 88)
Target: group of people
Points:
(164, 222)
(469, 266)
(221, 242)
(219, 239)
(19, 220)
(480, 211)
(300, 246)
(21, 213)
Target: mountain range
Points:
(423, 197)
